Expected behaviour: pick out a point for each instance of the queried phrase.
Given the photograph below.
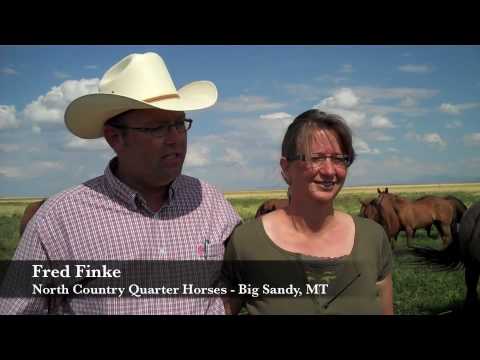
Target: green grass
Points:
(417, 289)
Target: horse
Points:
(418, 214)
(387, 219)
(271, 205)
(30, 210)
(463, 251)
(458, 206)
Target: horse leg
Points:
(409, 232)
(446, 234)
(414, 233)
(429, 230)
(392, 242)
(472, 273)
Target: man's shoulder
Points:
(192, 183)
(70, 197)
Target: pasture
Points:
(417, 290)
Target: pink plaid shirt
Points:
(104, 219)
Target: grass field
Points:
(417, 290)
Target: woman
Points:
(315, 242)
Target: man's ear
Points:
(114, 138)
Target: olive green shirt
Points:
(254, 260)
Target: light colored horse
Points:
(418, 214)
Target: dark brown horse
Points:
(463, 250)
(417, 214)
(388, 219)
(271, 205)
(28, 214)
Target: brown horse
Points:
(463, 250)
(458, 206)
(370, 211)
(28, 214)
(386, 218)
(271, 205)
(418, 214)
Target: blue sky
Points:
(414, 111)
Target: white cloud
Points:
(343, 98)
(408, 102)
(453, 109)
(9, 71)
(429, 138)
(197, 155)
(435, 139)
(472, 139)
(381, 122)
(234, 156)
(361, 147)
(247, 103)
(8, 118)
(304, 91)
(9, 147)
(369, 94)
(34, 170)
(417, 69)
(379, 136)
(276, 116)
(75, 143)
(330, 78)
(454, 124)
(347, 68)
(61, 75)
(50, 108)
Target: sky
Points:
(413, 110)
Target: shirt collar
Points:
(131, 196)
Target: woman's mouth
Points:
(326, 185)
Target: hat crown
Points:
(138, 76)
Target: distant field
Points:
(470, 187)
(417, 290)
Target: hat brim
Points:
(86, 115)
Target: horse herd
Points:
(458, 226)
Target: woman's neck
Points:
(309, 216)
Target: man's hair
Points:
(116, 121)
(300, 133)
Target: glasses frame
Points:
(336, 159)
(151, 131)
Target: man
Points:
(142, 208)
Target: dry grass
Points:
(473, 188)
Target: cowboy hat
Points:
(138, 81)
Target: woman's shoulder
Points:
(247, 232)
(367, 224)
(369, 230)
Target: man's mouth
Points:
(171, 156)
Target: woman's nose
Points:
(327, 167)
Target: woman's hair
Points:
(301, 132)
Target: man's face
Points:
(146, 158)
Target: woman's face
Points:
(320, 179)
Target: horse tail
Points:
(459, 207)
(447, 259)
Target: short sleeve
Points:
(385, 260)
(229, 276)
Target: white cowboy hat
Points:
(139, 81)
